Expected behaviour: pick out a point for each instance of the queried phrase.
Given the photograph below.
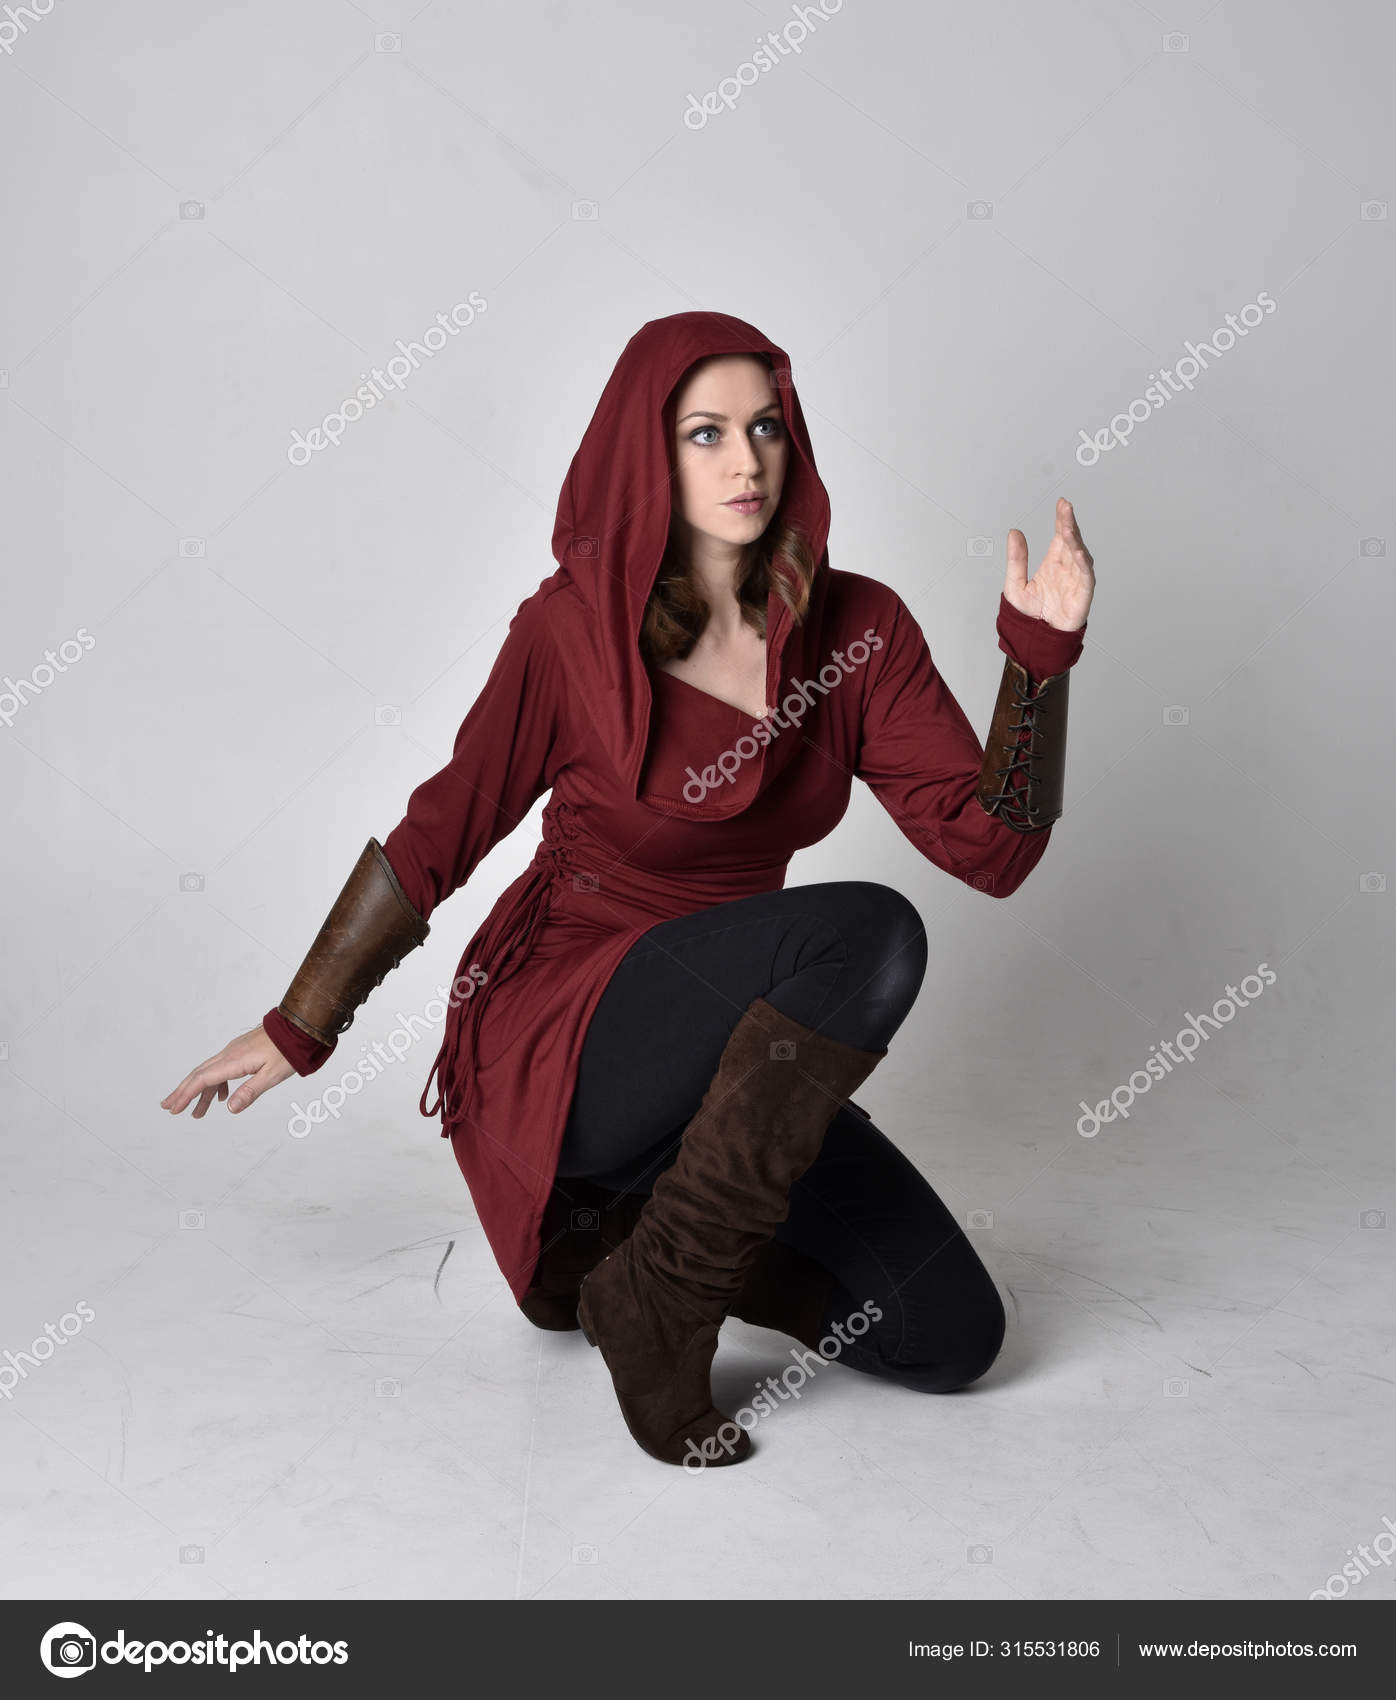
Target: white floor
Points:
(1193, 1400)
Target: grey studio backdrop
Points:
(983, 233)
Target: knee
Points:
(964, 1357)
(888, 944)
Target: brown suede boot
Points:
(784, 1289)
(787, 1291)
(654, 1305)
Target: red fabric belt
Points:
(499, 948)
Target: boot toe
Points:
(663, 1391)
(554, 1311)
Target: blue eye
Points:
(693, 436)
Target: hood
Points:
(612, 527)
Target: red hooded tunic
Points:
(665, 799)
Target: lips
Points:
(746, 504)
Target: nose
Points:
(745, 460)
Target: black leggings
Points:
(846, 957)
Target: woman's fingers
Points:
(1067, 550)
(1069, 530)
(251, 1053)
(1016, 576)
(253, 1088)
(206, 1074)
(207, 1096)
(176, 1100)
(204, 1084)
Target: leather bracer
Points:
(371, 927)
(1024, 770)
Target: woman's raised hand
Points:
(252, 1053)
(1061, 589)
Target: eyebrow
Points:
(702, 413)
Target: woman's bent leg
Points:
(865, 1212)
(845, 958)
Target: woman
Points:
(651, 1043)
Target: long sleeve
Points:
(919, 754)
(505, 756)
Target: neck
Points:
(715, 567)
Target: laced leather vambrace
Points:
(371, 927)
(1024, 770)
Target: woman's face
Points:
(730, 439)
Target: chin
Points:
(745, 526)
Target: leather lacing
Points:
(501, 943)
(1012, 800)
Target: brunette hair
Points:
(677, 611)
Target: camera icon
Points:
(69, 1648)
(191, 882)
(191, 1555)
(1372, 546)
(584, 1555)
(387, 43)
(1175, 1387)
(584, 209)
(980, 1219)
(979, 1555)
(387, 714)
(386, 1387)
(191, 548)
(979, 546)
(979, 209)
(585, 546)
(584, 1221)
(191, 209)
(782, 1050)
(585, 882)
(1175, 715)
(1173, 42)
(981, 880)
(1373, 209)
(190, 1219)
(1371, 882)
(781, 377)
(1372, 1219)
